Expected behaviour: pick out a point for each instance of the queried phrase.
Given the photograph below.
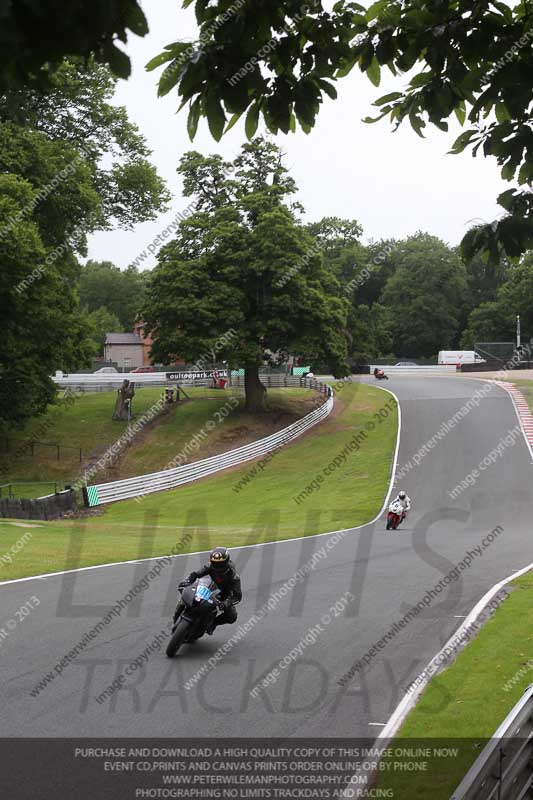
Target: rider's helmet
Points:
(219, 560)
(401, 495)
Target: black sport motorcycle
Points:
(201, 600)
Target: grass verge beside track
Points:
(213, 511)
(470, 699)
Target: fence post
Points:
(32, 443)
(57, 446)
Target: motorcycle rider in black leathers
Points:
(221, 570)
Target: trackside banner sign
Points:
(195, 376)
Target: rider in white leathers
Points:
(405, 500)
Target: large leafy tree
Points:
(39, 33)
(339, 241)
(101, 322)
(77, 109)
(362, 272)
(277, 62)
(42, 327)
(369, 333)
(489, 322)
(484, 278)
(40, 234)
(121, 292)
(496, 320)
(424, 296)
(66, 204)
(69, 165)
(243, 279)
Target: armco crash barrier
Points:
(171, 478)
(503, 768)
(50, 507)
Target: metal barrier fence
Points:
(127, 488)
(504, 769)
(429, 368)
(284, 381)
(105, 383)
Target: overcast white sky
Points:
(392, 183)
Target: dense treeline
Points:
(407, 298)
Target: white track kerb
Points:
(242, 547)
(524, 417)
(522, 412)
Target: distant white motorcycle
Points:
(395, 516)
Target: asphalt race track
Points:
(386, 572)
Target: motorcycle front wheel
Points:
(178, 637)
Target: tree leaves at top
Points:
(39, 33)
(475, 61)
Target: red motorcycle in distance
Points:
(395, 516)
(379, 375)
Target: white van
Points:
(459, 357)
